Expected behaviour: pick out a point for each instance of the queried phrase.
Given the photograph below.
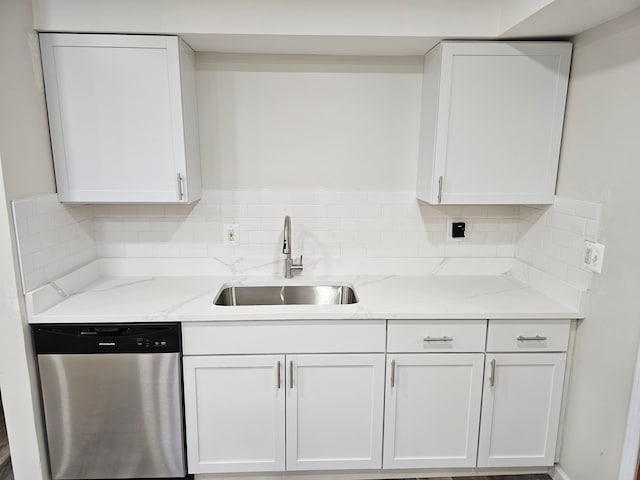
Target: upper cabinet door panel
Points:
(502, 112)
(498, 122)
(116, 117)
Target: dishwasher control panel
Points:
(150, 343)
(107, 338)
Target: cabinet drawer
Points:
(528, 335)
(436, 335)
(304, 336)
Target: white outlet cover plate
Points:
(230, 234)
(593, 256)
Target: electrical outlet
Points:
(593, 256)
(456, 230)
(230, 234)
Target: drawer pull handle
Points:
(492, 378)
(290, 374)
(279, 377)
(537, 338)
(438, 339)
(393, 373)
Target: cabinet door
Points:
(494, 111)
(334, 411)
(521, 409)
(116, 118)
(235, 413)
(432, 411)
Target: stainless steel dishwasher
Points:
(112, 397)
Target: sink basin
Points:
(286, 295)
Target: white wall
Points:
(17, 368)
(601, 162)
(25, 155)
(24, 131)
(308, 122)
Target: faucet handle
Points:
(297, 263)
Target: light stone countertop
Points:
(190, 298)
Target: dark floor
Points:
(537, 476)
(6, 473)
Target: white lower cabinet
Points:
(334, 411)
(449, 394)
(432, 411)
(235, 410)
(521, 409)
(234, 413)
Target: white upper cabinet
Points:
(492, 115)
(123, 118)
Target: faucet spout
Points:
(290, 265)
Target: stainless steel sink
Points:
(286, 295)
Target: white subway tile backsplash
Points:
(353, 252)
(588, 210)
(502, 210)
(303, 198)
(484, 250)
(591, 230)
(356, 198)
(552, 238)
(53, 239)
(346, 223)
(565, 221)
(498, 238)
(273, 198)
(367, 211)
(234, 211)
(474, 211)
(328, 198)
(425, 210)
(506, 251)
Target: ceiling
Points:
(330, 27)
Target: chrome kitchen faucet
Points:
(289, 265)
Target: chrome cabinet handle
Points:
(440, 189)
(180, 187)
(291, 374)
(279, 377)
(537, 338)
(492, 377)
(393, 373)
(444, 338)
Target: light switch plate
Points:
(593, 256)
(230, 234)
